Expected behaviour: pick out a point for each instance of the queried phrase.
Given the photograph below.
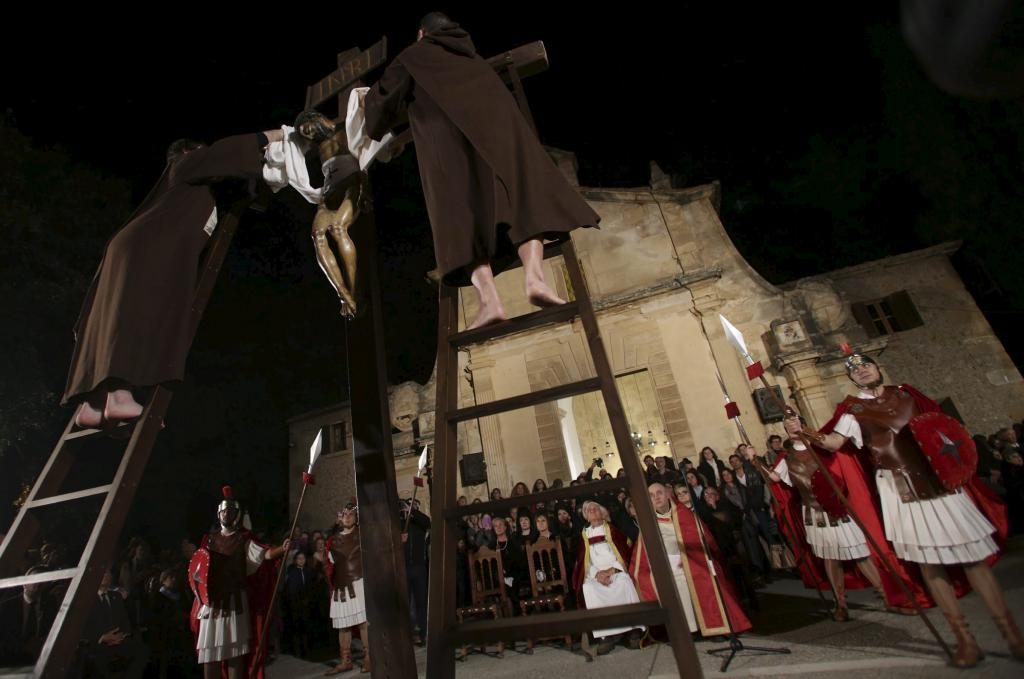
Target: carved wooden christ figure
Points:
(340, 204)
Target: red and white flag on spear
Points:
(314, 453)
(735, 338)
(421, 469)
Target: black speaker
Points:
(473, 469)
(769, 408)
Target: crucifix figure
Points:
(344, 185)
(345, 180)
(390, 634)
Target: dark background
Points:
(831, 145)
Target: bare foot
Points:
(121, 406)
(541, 295)
(488, 315)
(88, 416)
(348, 303)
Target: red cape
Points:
(990, 504)
(791, 523)
(849, 474)
(708, 607)
(259, 589)
(986, 500)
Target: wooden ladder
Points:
(444, 633)
(58, 654)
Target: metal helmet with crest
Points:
(855, 359)
(229, 502)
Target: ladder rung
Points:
(548, 497)
(83, 433)
(68, 497)
(558, 624)
(17, 672)
(551, 249)
(556, 314)
(524, 400)
(36, 578)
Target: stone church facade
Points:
(661, 270)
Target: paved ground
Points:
(874, 644)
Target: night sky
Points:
(831, 145)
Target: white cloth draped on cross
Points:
(286, 159)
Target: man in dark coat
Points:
(415, 546)
(491, 190)
(135, 328)
(109, 645)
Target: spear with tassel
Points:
(756, 370)
(732, 412)
(307, 481)
(417, 482)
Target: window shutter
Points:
(904, 310)
(860, 313)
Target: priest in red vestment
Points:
(711, 610)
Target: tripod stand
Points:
(735, 645)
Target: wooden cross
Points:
(373, 457)
(353, 64)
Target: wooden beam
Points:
(347, 73)
(69, 497)
(37, 578)
(647, 613)
(387, 597)
(556, 314)
(528, 60)
(679, 636)
(548, 497)
(443, 553)
(531, 398)
(525, 60)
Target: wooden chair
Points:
(487, 582)
(548, 582)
